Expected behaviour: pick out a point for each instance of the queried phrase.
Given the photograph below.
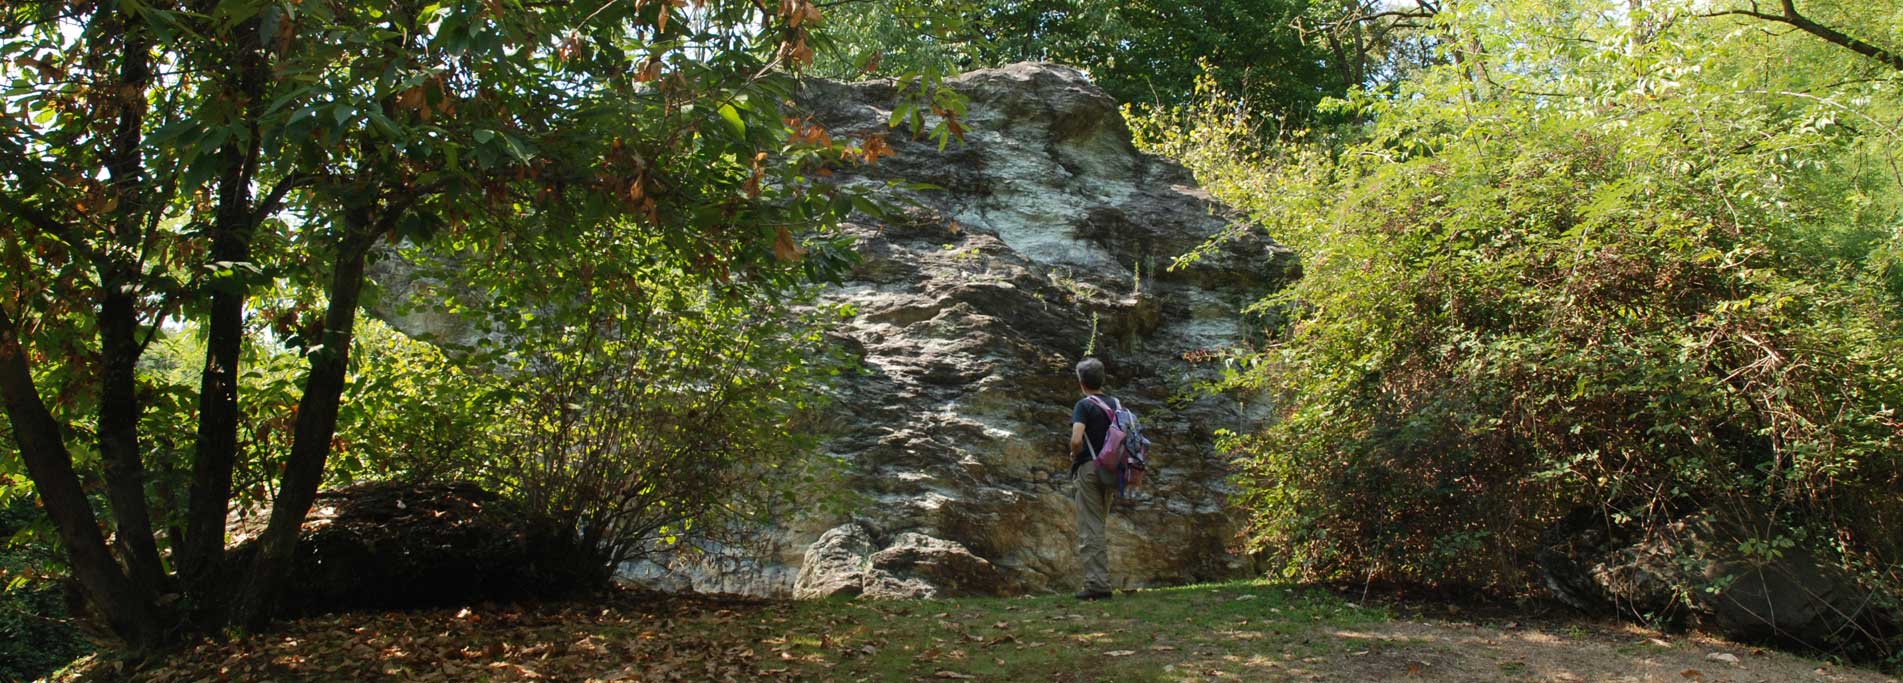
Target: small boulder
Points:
(836, 564)
(913, 565)
(948, 566)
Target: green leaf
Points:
(516, 148)
(734, 123)
(868, 207)
(385, 126)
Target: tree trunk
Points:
(316, 424)
(127, 612)
(217, 443)
(118, 319)
(119, 448)
(202, 553)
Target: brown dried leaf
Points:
(785, 249)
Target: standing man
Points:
(1089, 420)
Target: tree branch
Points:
(1791, 17)
(270, 203)
(46, 224)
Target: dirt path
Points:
(1410, 650)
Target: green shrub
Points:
(650, 411)
(35, 636)
(637, 405)
(1644, 277)
(407, 412)
(412, 413)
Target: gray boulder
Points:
(844, 563)
(950, 568)
(836, 565)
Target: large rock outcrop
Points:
(1051, 235)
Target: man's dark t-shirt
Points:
(1096, 423)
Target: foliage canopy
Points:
(229, 168)
(1141, 52)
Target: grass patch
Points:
(1141, 636)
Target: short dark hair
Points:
(1090, 374)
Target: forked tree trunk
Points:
(125, 596)
(119, 448)
(127, 611)
(316, 424)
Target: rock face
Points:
(1051, 235)
(1694, 572)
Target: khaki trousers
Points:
(1094, 490)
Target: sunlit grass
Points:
(1145, 635)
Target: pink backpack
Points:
(1124, 450)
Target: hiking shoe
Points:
(1093, 595)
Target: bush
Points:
(411, 413)
(1660, 289)
(35, 637)
(1507, 329)
(650, 416)
(407, 412)
(661, 423)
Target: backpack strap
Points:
(1108, 413)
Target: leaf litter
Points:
(1203, 632)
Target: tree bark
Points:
(316, 424)
(119, 449)
(43, 448)
(118, 312)
(217, 440)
